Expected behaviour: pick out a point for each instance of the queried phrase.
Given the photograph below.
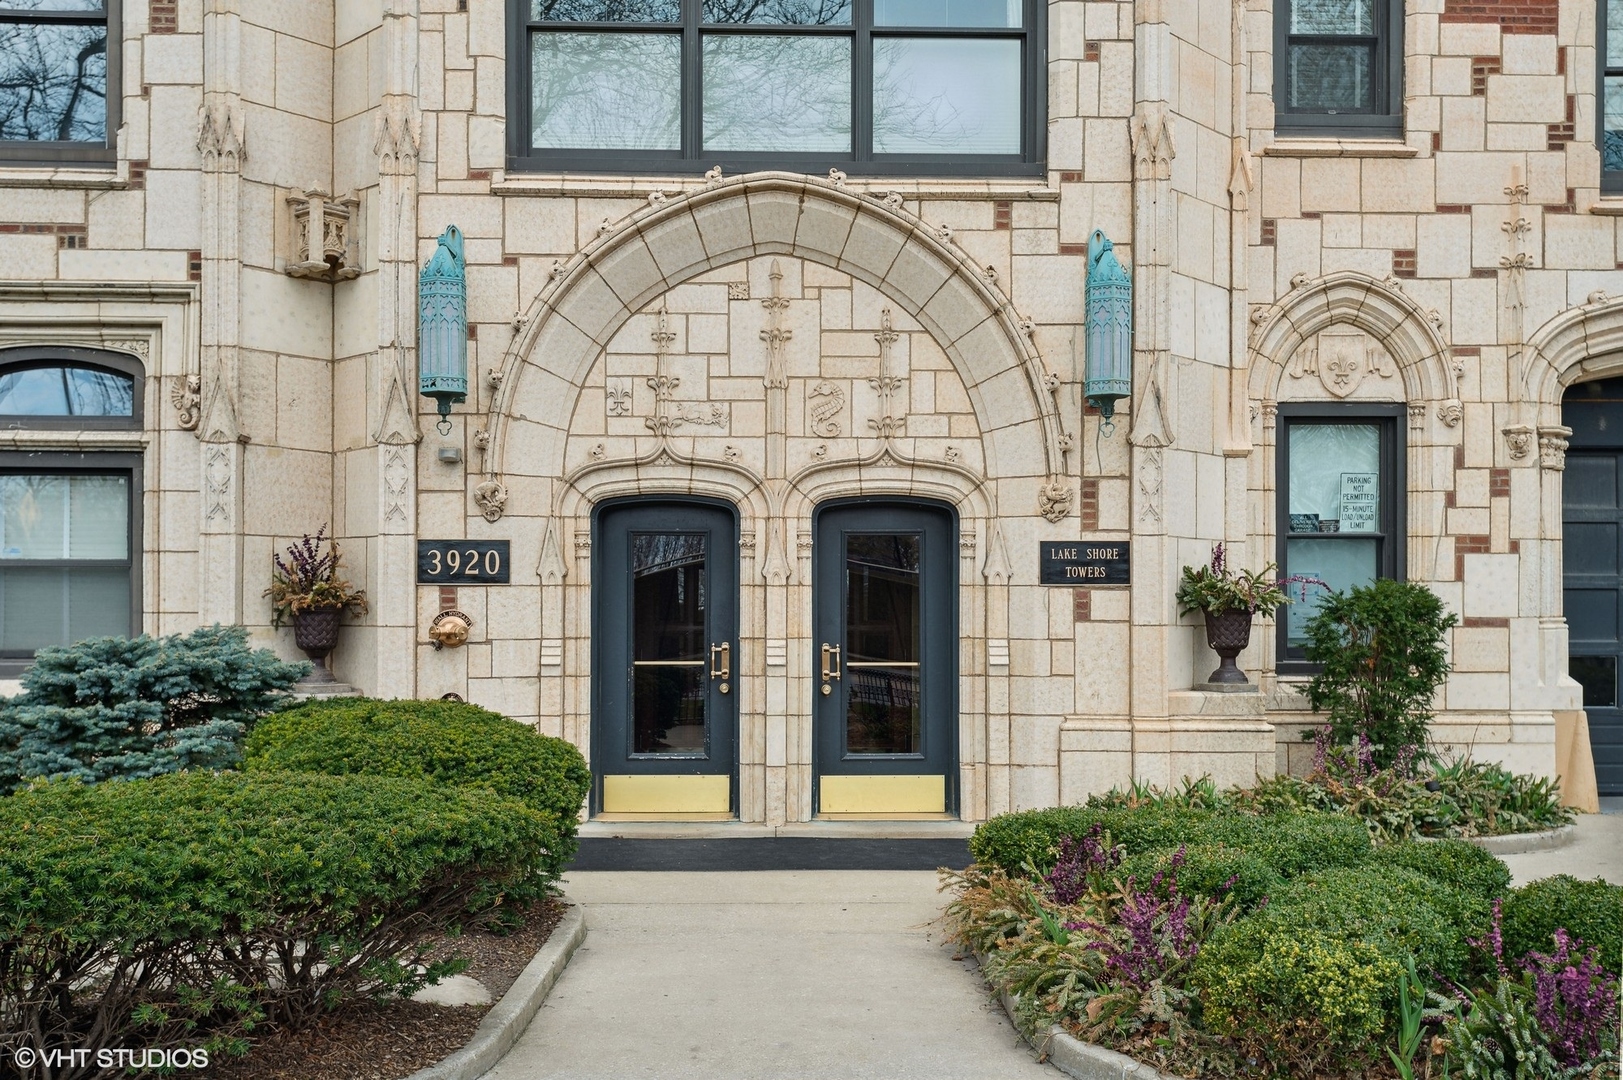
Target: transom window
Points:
(1609, 70)
(1338, 66)
(70, 521)
(889, 86)
(1340, 505)
(56, 67)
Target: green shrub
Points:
(446, 742)
(1591, 911)
(136, 707)
(131, 910)
(1489, 800)
(1300, 999)
(1289, 844)
(1455, 863)
(1310, 981)
(1399, 910)
(1214, 870)
(1292, 844)
(1383, 656)
(1010, 840)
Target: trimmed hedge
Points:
(217, 898)
(1455, 863)
(1288, 844)
(444, 742)
(1210, 870)
(1310, 980)
(1591, 911)
(1389, 906)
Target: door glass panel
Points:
(1591, 547)
(1598, 675)
(1590, 480)
(669, 684)
(883, 713)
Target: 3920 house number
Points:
(463, 562)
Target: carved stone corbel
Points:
(1552, 447)
(325, 247)
(491, 498)
(1519, 438)
(1054, 500)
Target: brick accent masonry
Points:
(67, 236)
(1082, 605)
(194, 265)
(1481, 68)
(1003, 214)
(1468, 544)
(1090, 504)
(1498, 483)
(1404, 262)
(1513, 16)
(164, 17)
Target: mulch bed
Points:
(392, 1040)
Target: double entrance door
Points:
(882, 641)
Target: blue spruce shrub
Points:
(127, 708)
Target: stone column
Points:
(220, 143)
(1153, 432)
(391, 571)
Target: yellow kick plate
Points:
(667, 794)
(883, 794)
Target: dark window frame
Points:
(1611, 180)
(1393, 535)
(28, 357)
(693, 160)
(14, 662)
(1384, 120)
(59, 154)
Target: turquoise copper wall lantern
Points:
(442, 327)
(1109, 375)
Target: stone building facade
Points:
(1407, 298)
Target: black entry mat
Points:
(770, 853)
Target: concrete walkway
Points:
(1596, 850)
(814, 975)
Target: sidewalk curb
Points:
(509, 1017)
(1522, 843)
(1075, 1058)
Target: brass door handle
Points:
(831, 665)
(724, 671)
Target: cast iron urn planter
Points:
(315, 630)
(1228, 633)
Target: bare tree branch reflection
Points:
(53, 82)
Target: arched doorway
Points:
(1592, 559)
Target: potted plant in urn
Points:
(1230, 600)
(307, 591)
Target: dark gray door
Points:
(665, 630)
(885, 619)
(1592, 554)
(1592, 524)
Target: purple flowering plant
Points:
(309, 579)
(1215, 588)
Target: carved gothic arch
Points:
(590, 296)
(1412, 335)
(1579, 344)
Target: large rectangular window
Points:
(1609, 73)
(1338, 67)
(58, 81)
(1340, 506)
(66, 566)
(877, 86)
